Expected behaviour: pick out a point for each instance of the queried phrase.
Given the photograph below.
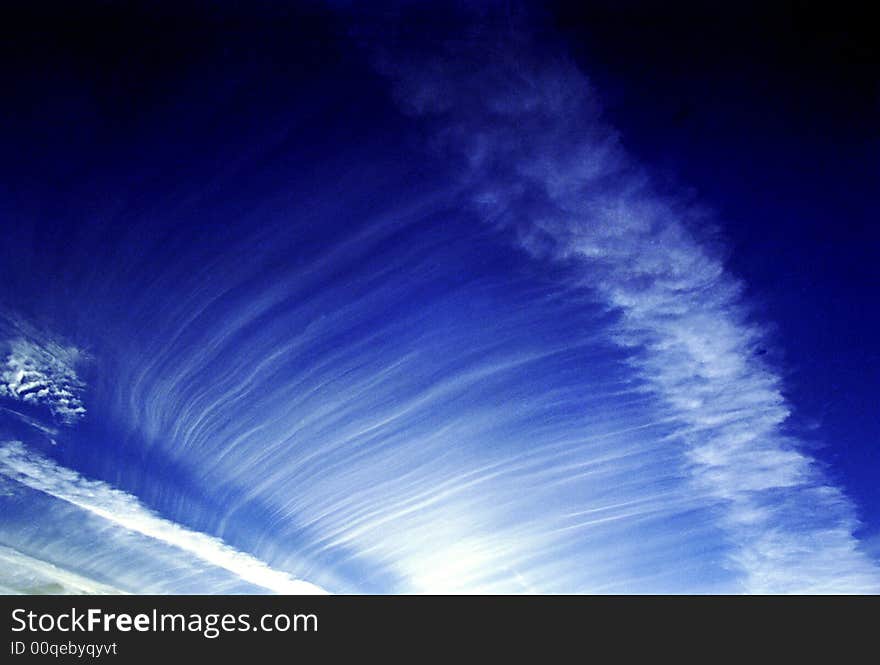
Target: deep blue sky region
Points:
(436, 298)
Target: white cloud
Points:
(539, 160)
(99, 498)
(28, 575)
(45, 375)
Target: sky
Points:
(422, 298)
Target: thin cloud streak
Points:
(23, 574)
(44, 475)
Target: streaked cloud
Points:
(42, 474)
(539, 160)
(515, 368)
(23, 574)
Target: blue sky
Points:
(793, 176)
(410, 300)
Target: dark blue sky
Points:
(335, 290)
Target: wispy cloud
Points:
(42, 474)
(539, 160)
(26, 574)
(354, 380)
